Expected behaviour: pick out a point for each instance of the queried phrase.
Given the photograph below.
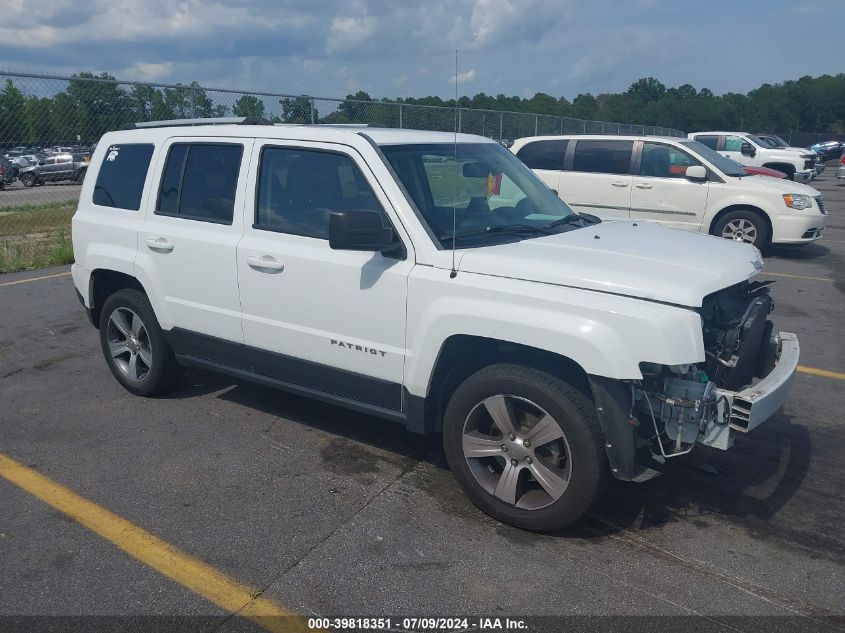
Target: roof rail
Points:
(229, 120)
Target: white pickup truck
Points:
(433, 280)
(798, 164)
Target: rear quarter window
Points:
(120, 181)
(709, 141)
(543, 154)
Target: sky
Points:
(400, 48)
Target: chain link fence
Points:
(49, 126)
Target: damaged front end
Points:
(745, 378)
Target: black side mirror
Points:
(747, 149)
(361, 231)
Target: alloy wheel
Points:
(129, 344)
(517, 452)
(741, 230)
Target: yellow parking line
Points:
(824, 373)
(799, 276)
(26, 281)
(150, 550)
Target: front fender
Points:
(606, 335)
(744, 200)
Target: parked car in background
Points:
(776, 141)
(798, 164)
(678, 182)
(8, 172)
(828, 149)
(55, 168)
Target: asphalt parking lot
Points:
(16, 195)
(325, 512)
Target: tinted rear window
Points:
(603, 157)
(199, 181)
(543, 154)
(709, 141)
(120, 181)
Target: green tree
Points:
(148, 104)
(298, 110)
(90, 106)
(12, 100)
(248, 105)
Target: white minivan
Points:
(674, 181)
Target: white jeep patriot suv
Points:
(433, 280)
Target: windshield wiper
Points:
(498, 228)
(582, 219)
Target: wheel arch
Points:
(740, 207)
(103, 283)
(463, 354)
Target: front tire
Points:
(27, 180)
(525, 446)
(134, 345)
(743, 225)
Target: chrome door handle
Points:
(619, 184)
(265, 264)
(643, 185)
(159, 245)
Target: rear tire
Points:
(544, 472)
(134, 345)
(744, 225)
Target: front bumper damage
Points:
(642, 433)
(745, 410)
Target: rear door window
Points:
(603, 157)
(710, 141)
(199, 181)
(543, 154)
(120, 181)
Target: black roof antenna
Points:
(454, 272)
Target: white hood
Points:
(642, 260)
(781, 185)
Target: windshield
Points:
(757, 140)
(495, 196)
(722, 163)
(778, 141)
